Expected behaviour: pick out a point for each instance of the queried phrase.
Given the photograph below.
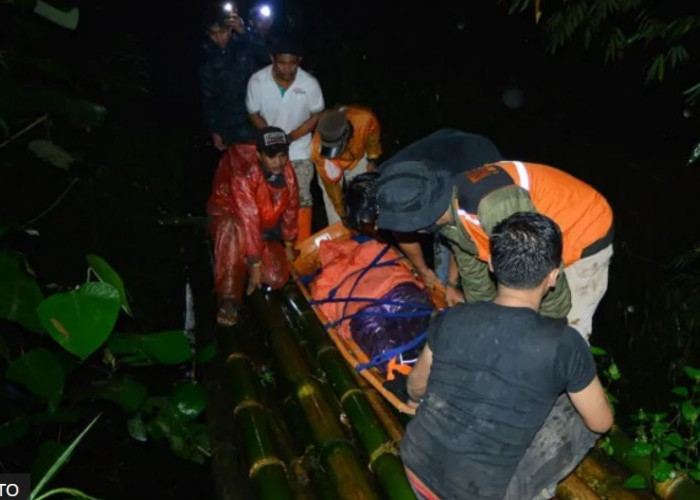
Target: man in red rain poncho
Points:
(253, 206)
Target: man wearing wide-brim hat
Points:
(346, 144)
(464, 209)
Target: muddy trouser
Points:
(304, 170)
(588, 281)
(230, 269)
(348, 175)
(557, 448)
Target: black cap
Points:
(411, 196)
(334, 130)
(271, 141)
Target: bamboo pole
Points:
(679, 488)
(267, 471)
(336, 453)
(379, 446)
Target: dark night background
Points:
(420, 66)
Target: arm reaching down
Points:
(592, 405)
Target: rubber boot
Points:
(304, 225)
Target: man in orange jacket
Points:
(464, 208)
(345, 145)
(254, 208)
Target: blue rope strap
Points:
(387, 355)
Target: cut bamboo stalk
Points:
(267, 471)
(602, 481)
(573, 488)
(377, 443)
(336, 453)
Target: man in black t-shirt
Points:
(492, 421)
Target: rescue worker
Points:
(345, 145)
(465, 208)
(226, 65)
(448, 150)
(259, 32)
(254, 208)
(508, 401)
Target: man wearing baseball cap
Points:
(345, 145)
(254, 209)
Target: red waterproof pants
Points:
(230, 268)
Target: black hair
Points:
(525, 248)
(286, 43)
(361, 201)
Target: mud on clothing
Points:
(245, 205)
(495, 375)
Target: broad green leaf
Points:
(169, 347)
(190, 399)
(663, 471)
(689, 411)
(137, 429)
(695, 475)
(51, 153)
(206, 353)
(13, 431)
(40, 372)
(693, 373)
(126, 392)
(641, 450)
(598, 351)
(636, 482)
(104, 272)
(81, 320)
(65, 456)
(20, 294)
(680, 391)
(49, 451)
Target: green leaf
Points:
(635, 482)
(695, 475)
(689, 411)
(693, 373)
(137, 429)
(13, 431)
(81, 320)
(641, 450)
(40, 372)
(20, 294)
(663, 471)
(680, 391)
(51, 153)
(614, 372)
(104, 272)
(65, 456)
(49, 451)
(129, 394)
(598, 351)
(190, 399)
(169, 347)
(206, 353)
(695, 154)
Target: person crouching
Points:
(254, 208)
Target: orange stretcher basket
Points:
(308, 263)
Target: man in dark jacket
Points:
(227, 63)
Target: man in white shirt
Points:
(284, 95)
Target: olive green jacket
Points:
(477, 282)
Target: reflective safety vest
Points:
(581, 212)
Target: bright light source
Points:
(228, 7)
(265, 11)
